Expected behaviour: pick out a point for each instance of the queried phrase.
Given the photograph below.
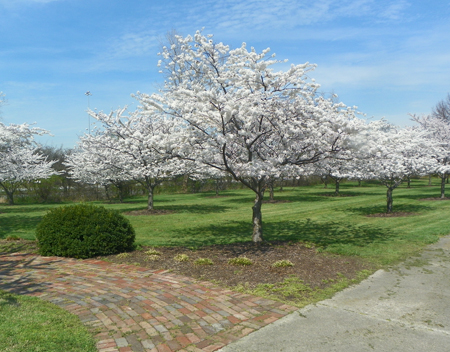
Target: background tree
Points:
(94, 163)
(239, 116)
(20, 159)
(391, 155)
(2, 102)
(138, 139)
(442, 109)
(437, 130)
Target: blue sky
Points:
(389, 58)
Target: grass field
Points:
(28, 324)
(335, 224)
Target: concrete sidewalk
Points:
(404, 309)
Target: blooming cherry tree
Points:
(391, 155)
(94, 163)
(133, 146)
(437, 131)
(237, 115)
(20, 160)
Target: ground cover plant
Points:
(28, 324)
(331, 241)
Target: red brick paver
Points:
(137, 309)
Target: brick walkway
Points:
(135, 309)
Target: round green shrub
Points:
(84, 231)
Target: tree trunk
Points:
(325, 181)
(409, 182)
(108, 197)
(271, 191)
(217, 187)
(336, 192)
(443, 178)
(9, 195)
(359, 183)
(389, 200)
(257, 236)
(150, 198)
(429, 180)
(121, 190)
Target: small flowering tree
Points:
(437, 131)
(92, 162)
(237, 115)
(134, 147)
(391, 155)
(20, 160)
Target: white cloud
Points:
(394, 11)
(268, 15)
(134, 44)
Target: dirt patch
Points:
(337, 196)
(390, 215)
(437, 198)
(310, 266)
(149, 212)
(316, 269)
(275, 201)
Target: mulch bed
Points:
(390, 215)
(276, 201)
(316, 269)
(437, 198)
(337, 196)
(310, 266)
(149, 212)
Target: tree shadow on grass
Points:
(378, 209)
(193, 208)
(321, 233)
(212, 194)
(25, 209)
(419, 196)
(279, 197)
(15, 223)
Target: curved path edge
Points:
(403, 309)
(130, 308)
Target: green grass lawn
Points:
(28, 324)
(336, 224)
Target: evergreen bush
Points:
(84, 231)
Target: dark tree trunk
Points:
(271, 192)
(389, 200)
(217, 187)
(257, 236)
(150, 189)
(336, 191)
(107, 192)
(120, 190)
(409, 182)
(359, 183)
(443, 178)
(325, 181)
(9, 194)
